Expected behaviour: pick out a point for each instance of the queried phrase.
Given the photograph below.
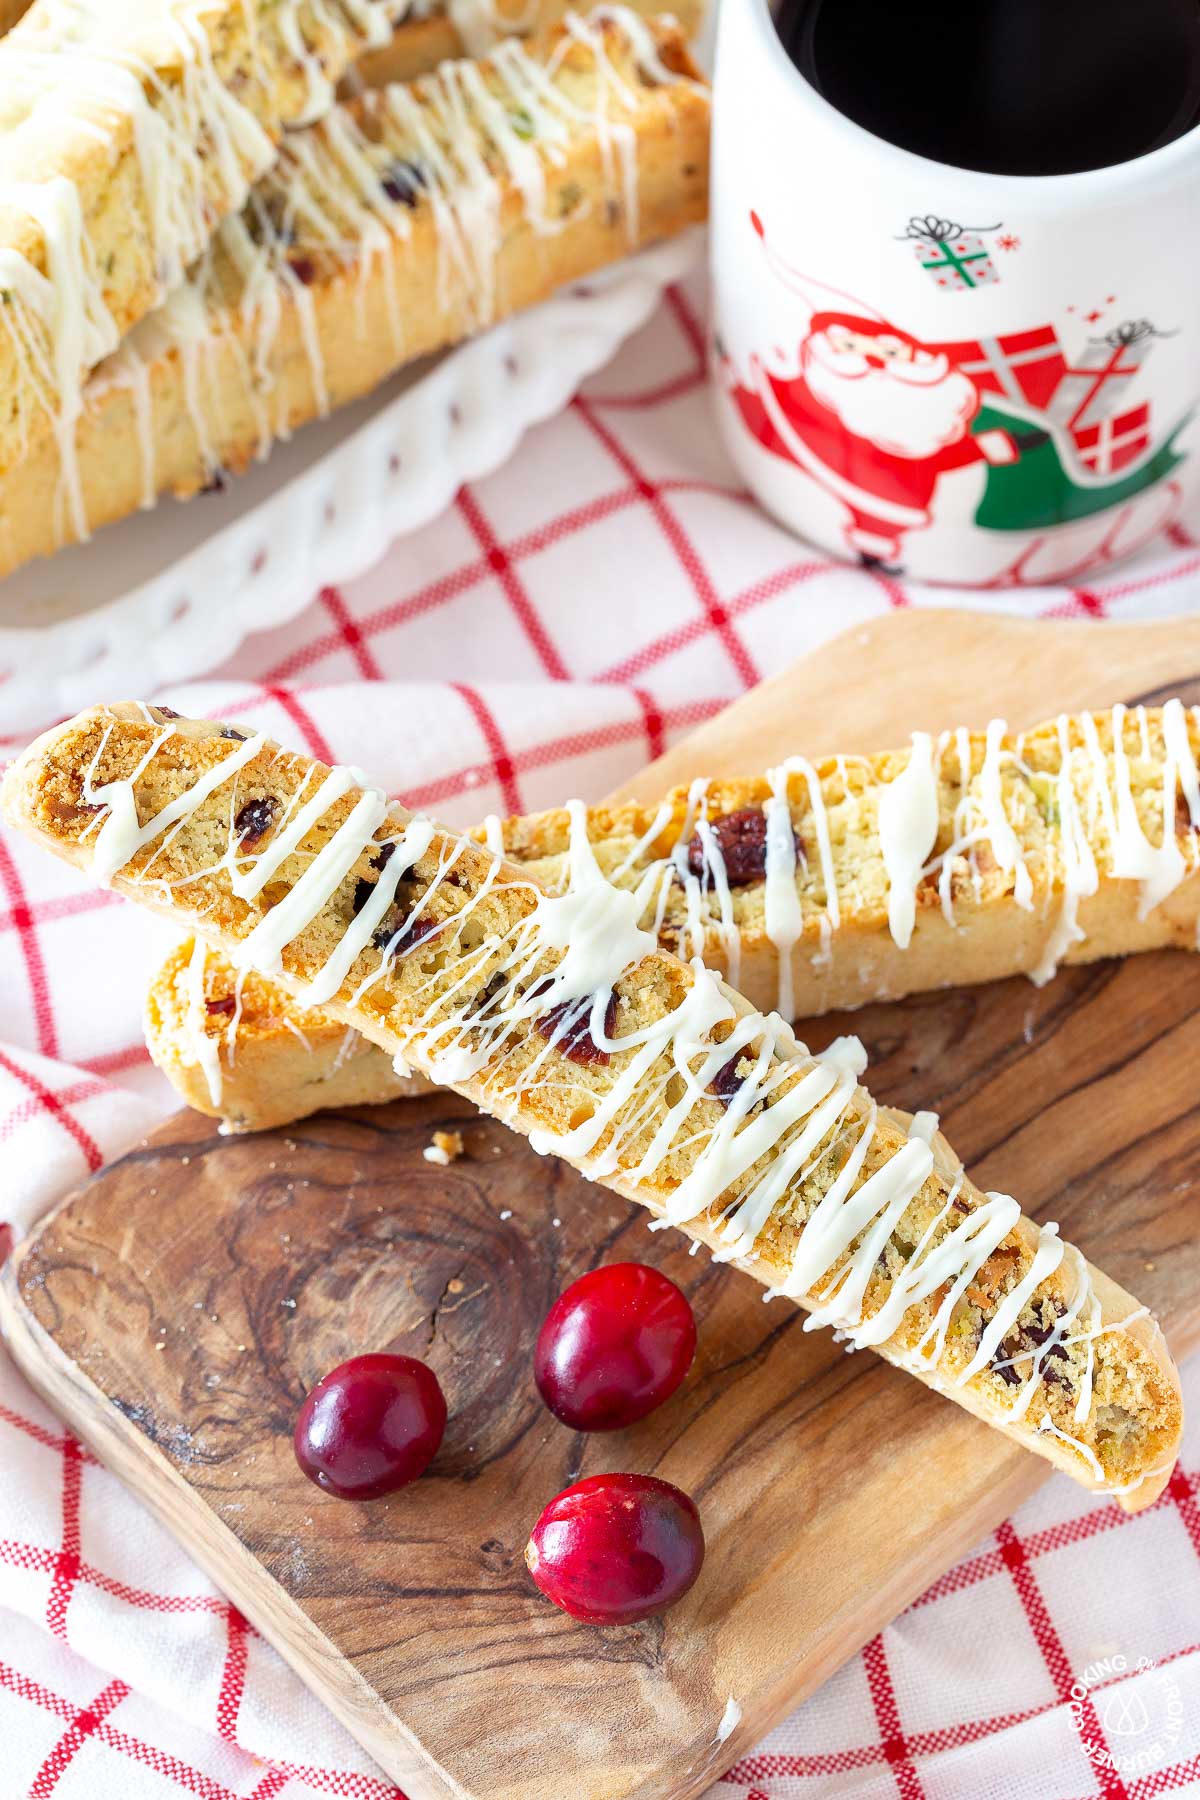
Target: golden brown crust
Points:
(208, 383)
(407, 1003)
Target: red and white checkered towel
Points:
(606, 591)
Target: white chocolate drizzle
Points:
(207, 1049)
(908, 828)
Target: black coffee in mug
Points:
(1014, 87)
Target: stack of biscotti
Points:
(126, 135)
(401, 222)
(562, 1016)
(1020, 851)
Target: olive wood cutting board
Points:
(177, 1307)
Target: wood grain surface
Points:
(177, 1308)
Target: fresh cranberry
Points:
(371, 1425)
(616, 1548)
(614, 1345)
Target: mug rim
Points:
(1132, 172)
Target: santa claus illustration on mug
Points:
(873, 415)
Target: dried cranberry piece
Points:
(402, 182)
(384, 857)
(741, 838)
(166, 712)
(231, 731)
(1183, 816)
(255, 817)
(226, 1005)
(303, 268)
(421, 928)
(1007, 1371)
(726, 1082)
(218, 481)
(577, 1041)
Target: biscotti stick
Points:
(428, 38)
(560, 1015)
(127, 132)
(403, 222)
(818, 886)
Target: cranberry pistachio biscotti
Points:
(561, 1015)
(812, 888)
(404, 221)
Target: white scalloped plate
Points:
(168, 594)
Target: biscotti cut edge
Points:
(468, 1004)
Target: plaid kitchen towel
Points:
(608, 590)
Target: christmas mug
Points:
(974, 379)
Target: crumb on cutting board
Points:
(447, 1147)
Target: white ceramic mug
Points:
(977, 379)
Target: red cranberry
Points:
(371, 1425)
(577, 1042)
(741, 839)
(614, 1346)
(616, 1548)
(255, 818)
(726, 1083)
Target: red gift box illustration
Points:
(1098, 381)
(1024, 366)
(1113, 444)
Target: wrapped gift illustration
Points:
(1026, 367)
(1097, 382)
(955, 256)
(1112, 444)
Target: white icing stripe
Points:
(247, 883)
(908, 827)
(207, 1050)
(1001, 835)
(413, 844)
(783, 915)
(264, 947)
